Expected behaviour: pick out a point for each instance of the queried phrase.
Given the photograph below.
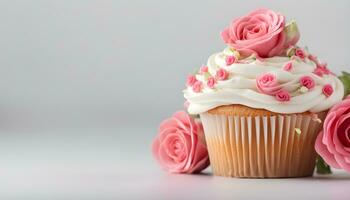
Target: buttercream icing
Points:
(241, 84)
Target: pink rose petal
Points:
(321, 149)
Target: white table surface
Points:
(103, 165)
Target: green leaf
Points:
(345, 78)
(206, 76)
(346, 73)
(322, 167)
(195, 116)
(291, 51)
(292, 33)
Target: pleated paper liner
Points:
(262, 146)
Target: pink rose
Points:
(267, 84)
(333, 142)
(260, 32)
(300, 53)
(288, 66)
(221, 74)
(322, 69)
(307, 81)
(327, 90)
(197, 87)
(203, 69)
(179, 146)
(191, 79)
(313, 58)
(282, 95)
(230, 60)
(211, 82)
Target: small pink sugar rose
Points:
(322, 69)
(179, 146)
(191, 79)
(197, 87)
(300, 53)
(313, 58)
(204, 69)
(230, 60)
(211, 82)
(327, 90)
(288, 66)
(282, 95)
(221, 74)
(307, 81)
(261, 32)
(267, 84)
(333, 142)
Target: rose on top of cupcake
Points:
(262, 32)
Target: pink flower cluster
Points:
(194, 83)
(321, 68)
(268, 84)
(197, 85)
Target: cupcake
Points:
(262, 100)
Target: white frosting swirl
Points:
(240, 86)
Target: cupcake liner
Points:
(261, 146)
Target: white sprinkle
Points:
(303, 89)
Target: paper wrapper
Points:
(261, 146)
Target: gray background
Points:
(84, 85)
